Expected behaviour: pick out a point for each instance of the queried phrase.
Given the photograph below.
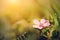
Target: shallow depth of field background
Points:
(16, 18)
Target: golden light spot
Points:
(13, 1)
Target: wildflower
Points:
(43, 23)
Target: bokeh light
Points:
(13, 2)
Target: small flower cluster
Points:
(43, 23)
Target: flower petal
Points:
(40, 27)
(35, 21)
(42, 21)
(46, 24)
(35, 26)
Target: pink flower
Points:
(43, 23)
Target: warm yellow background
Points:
(20, 9)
